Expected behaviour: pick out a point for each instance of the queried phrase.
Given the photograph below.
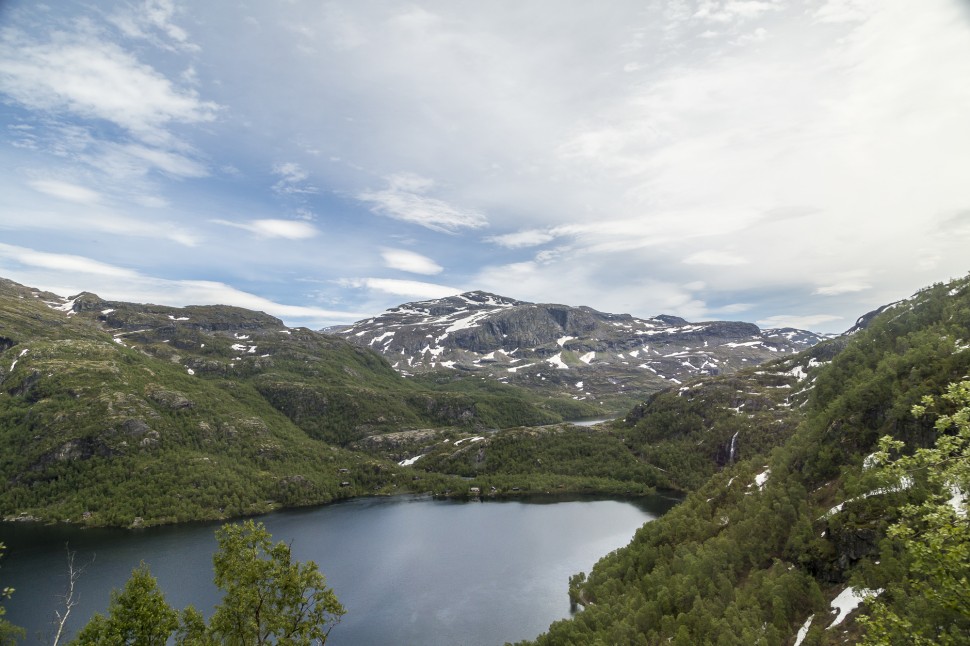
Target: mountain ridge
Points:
(550, 347)
(221, 411)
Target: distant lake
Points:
(409, 570)
(590, 422)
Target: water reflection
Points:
(408, 569)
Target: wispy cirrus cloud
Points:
(849, 281)
(522, 239)
(720, 11)
(410, 261)
(153, 20)
(715, 258)
(103, 221)
(405, 288)
(292, 177)
(126, 160)
(847, 287)
(96, 79)
(837, 11)
(66, 191)
(406, 199)
(274, 228)
(68, 274)
(67, 263)
(630, 141)
(800, 321)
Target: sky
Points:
(784, 162)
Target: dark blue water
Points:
(408, 570)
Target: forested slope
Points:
(767, 543)
(118, 413)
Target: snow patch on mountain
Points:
(499, 337)
(557, 362)
(762, 478)
(847, 601)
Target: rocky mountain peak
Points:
(564, 348)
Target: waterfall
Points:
(734, 441)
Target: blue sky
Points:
(784, 162)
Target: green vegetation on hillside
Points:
(927, 551)
(122, 414)
(810, 475)
(763, 545)
(557, 458)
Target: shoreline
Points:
(521, 495)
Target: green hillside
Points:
(116, 413)
(770, 541)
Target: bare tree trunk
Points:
(69, 598)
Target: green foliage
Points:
(267, 599)
(9, 634)
(556, 458)
(122, 414)
(688, 433)
(746, 563)
(926, 602)
(137, 615)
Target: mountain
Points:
(576, 351)
(113, 413)
(807, 522)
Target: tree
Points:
(927, 602)
(73, 574)
(9, 634)
(268, 598)
(137, 615)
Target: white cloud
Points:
(837, 11)
(716, 11)
(292, 176)
(715, 258)
(591, 284)
(290, 172)
(151, 17)
(96, 79)
(848, 287)
(409, 288)
(103, 221)
(121, 161)
(271, 228)
(733, 308)
(66, 191)
(404, 199)
(63, 263)
(800, 321)
(411, 262)
(69, 274)
(705, 151)
(520, 239)
(756, 36)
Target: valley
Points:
(128, 414)
(133, 415)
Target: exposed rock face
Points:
(577, 349)
(74, 450)
(170, 399)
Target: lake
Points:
(408, 569)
